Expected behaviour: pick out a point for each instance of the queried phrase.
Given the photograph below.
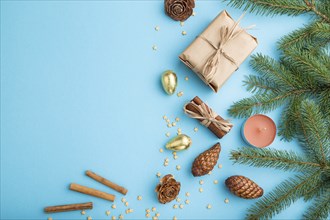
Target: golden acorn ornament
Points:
(169, 81)
(179, 143)
(206, 161)
(243, 187)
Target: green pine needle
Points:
(320, 209)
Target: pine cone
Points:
(205, 162)
(168, 189)
(179, 10)
(244, 187)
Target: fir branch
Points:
(320, 209)
(258, 84)
(282, 196)
(284, 160)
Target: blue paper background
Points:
(80, 89)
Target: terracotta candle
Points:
(259, 131)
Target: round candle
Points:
(259, 131)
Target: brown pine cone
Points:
(244, 187)
(179, 10)
(205, 162)
(168, 189)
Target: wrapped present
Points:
(218, 52)
(197, 109)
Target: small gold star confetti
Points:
(126, 211)
(158, 174)
(195, 129)
(179, 131)
(187, 201)
(187, 194)
(164, 117)
(209, 206)
(148, 215)
(123, 200)
(121, 216)
(107, 212)
(184, 33)
(167, 134)
(174, 218)
(157, 214)
(50, 218)
(178, 167)
(154, 47)
(113, 217)
(167, 160)
(193, 14)
(220, 166)
(210, 173)
(169, 125)
(174, 153)
(186, 78)
(180, 94)
(83, 212)
(147, 210)
(181, 23)
(89, 218)
(175, 157)
(161, 150)
(165, 164)
(126, 204)
(154, 218)
(168, 120)
(201, 189)
(157, 28)
(153, 209)
(175, 206)
(178, 199)
(226, 200)
(173, 124)
(177, 119)
(181, 206)
(215, 181)
(113, 206)
(201, 182)
(139, 198)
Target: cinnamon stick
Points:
(69, 207)
(106, 182)
(212, 127)
(92, 192)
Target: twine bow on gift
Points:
(207, 116)
(210, 67)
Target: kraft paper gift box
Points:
(219, 50)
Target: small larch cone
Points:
(206, 161)
(243, 187)
(168, 189)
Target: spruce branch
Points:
(320, 208)
(283, 195)
(284, 160)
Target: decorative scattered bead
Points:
(210, 173)
(113, 217)
(209, 206)
(153, 209)
(158, 174)
(139, 198)
(154, 47)
(157, 214)
(175, 206)
(215, 181)
(168, 120)
(226, 200)
(173, 124)
(121, 216)
(174, 218)
(180, 94)
(157, 28)
(181, 23)
(177, 119)
(50, 218)
(107, 212)
(154, 218)
(201, 182)
(178, 167)
(181, 206)
(195, 129)
(164, 117)
(167, 160)
(113, 206)
(186, 78)
(178, 199)
(89, 218)
(201, 189)
(161, 150)
(126, 204)
(123, 199)
(187, 201)
(187, 194)
(179, 131)
(174, 153)
(184, 33)
(148, 215)
(147, 210)
(175, 157)
(167, 134)
(83, 212)
(169, 125)
(220, 166)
